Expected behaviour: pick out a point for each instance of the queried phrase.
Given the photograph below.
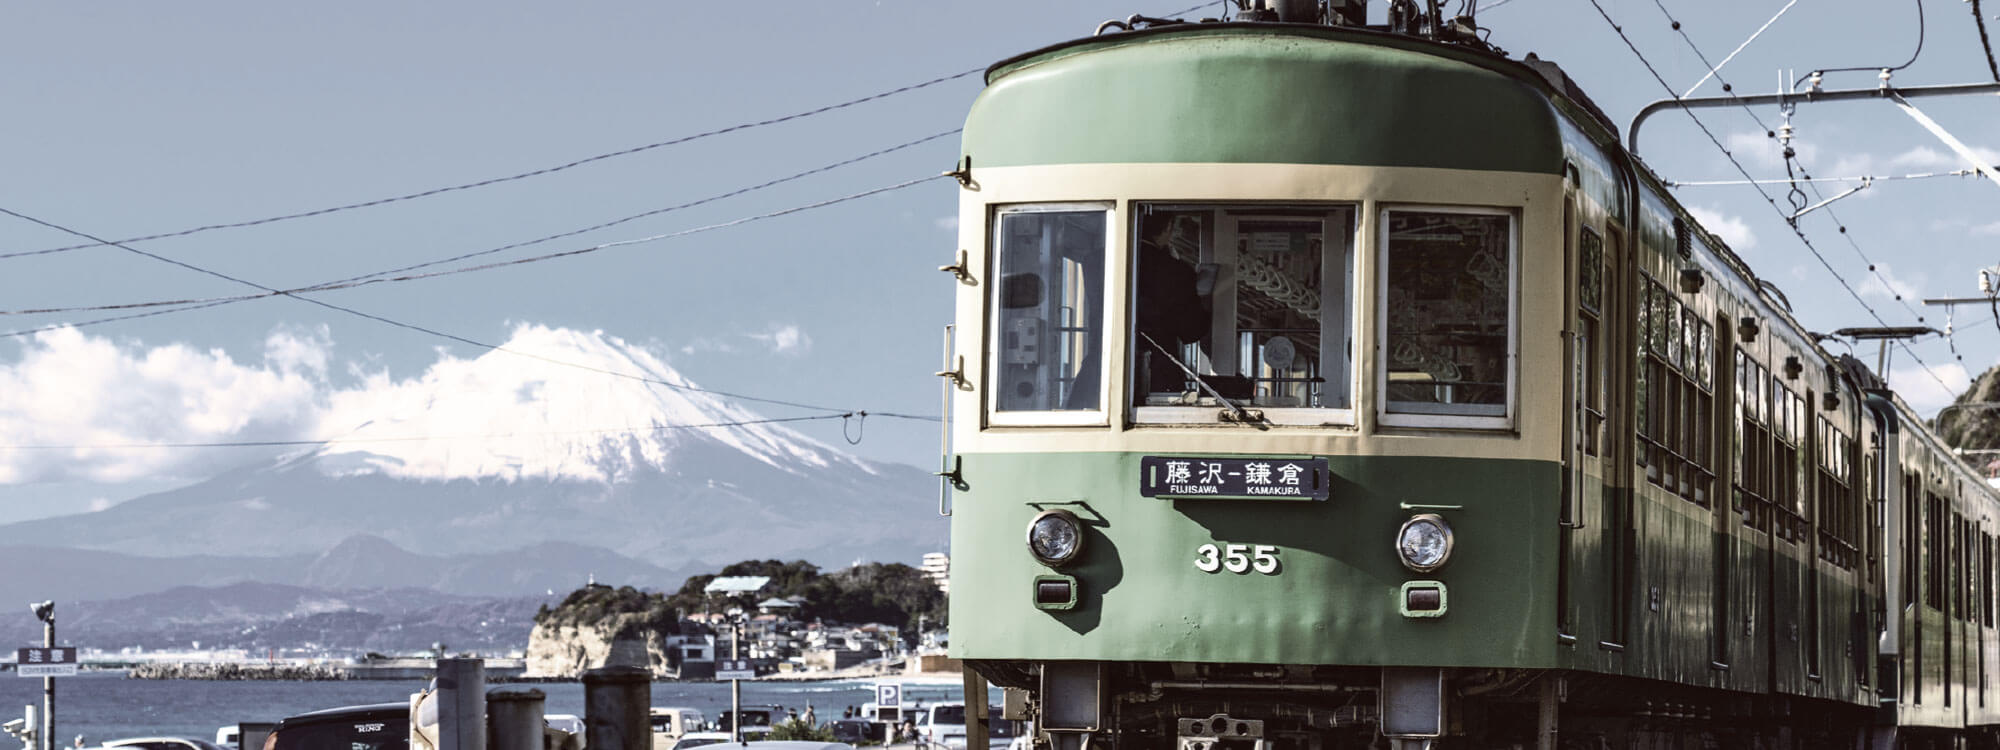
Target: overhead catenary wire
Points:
(1914, 54)
(544, 170)
(1790, 154)
(1796, 231)
(1985, 44)
(451, 336)
(1973, 173)
(509, 178)
(351, 281)
(368, 281)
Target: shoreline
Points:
(258, 672)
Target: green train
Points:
(1322, 385)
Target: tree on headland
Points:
(888, 593)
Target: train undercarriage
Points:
(1179, 706)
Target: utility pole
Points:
(46, 612)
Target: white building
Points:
(937, 565)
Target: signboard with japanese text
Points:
(1187, 477)
(734, 669)
(41, 661)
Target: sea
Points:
(103, 706)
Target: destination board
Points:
(1235, 478)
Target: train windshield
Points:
(1447, 311)
(1048, 314)
(1252, 304)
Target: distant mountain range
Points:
(262, 616)
(501, 476)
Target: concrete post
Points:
(461, 702)
(49, 687)
(616, 701)
(514, 718)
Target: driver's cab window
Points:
(1047, 362)
(1244, 305)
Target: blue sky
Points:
(130, 118)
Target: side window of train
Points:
(1249, 304)
(1676, 395)
(1046, 360)
(1590, 316)
(1448, 307)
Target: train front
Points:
(1259, 386)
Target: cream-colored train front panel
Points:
(1275, 308)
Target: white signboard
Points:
(734, 669)
(889, 695)
(40, 661)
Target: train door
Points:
(1584, 483)
(1615, 532)
(1726, 435)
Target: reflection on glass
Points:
(1447, 312)
(1048, 310)
(1247, 297)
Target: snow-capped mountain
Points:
(535, 444)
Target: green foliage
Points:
(889, 593)
(596, 603)
(798, 729)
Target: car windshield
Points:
(697, 742)
(949, 715)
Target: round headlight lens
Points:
(1424, 543)
(1055, 537)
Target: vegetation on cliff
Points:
(889, 593)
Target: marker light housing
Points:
(1424, 542)
(1055, 537)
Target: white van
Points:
(946, 726)
(671, 723)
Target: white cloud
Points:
(779, 338)
(1884, 284)
(785, 339)
(299, 351)
(91, 394)
(1986, 230)
(100, 504)
(947, 223)
(1922, 391)
(1927, 157)
(1731, 229)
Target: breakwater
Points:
(239, 671)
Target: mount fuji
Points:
(562, 441)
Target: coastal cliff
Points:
(599, 626)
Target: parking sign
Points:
(889, 695)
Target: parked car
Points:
(670, 723)
(162, 743)
(377, 726)
(857, 731)
(750, 734)
(943, 724)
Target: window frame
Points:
(1512, 402)
(1302, 416)
(997, 417)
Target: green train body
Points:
(1429, 281)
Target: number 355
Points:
(1237, 558)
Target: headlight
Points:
(1055, 537)
(1424, 542)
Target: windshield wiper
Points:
(1243, 415)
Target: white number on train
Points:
(1237, 558)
